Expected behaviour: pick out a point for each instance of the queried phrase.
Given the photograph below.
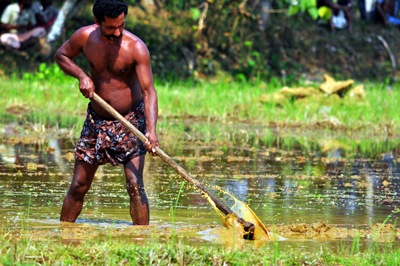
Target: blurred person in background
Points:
(342, 13)
(45, 13)
(362, 7)
(3, 5)
(19, 21)
(384, 12)
(392, 12)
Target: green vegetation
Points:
(187, 39)
(114, 252)
(52, 99)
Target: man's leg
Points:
(139, 206)
(10, 40)
(348, 11)
(38, 32)
(28, 38)
(73, 202)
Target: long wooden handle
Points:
(182, 172)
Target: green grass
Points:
(48, 252)
(52, 99)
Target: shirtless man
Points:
(120, 73)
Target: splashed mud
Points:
(243, 211)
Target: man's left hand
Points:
(152, 143)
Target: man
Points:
(120, 74)
(384, 12)
(345, 6)
(3, 5)
(19, 20)
(378, 12)
(45, 13)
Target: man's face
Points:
(112, 28)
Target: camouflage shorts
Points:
(105, 141)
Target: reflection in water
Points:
(284, 182)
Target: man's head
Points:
(46, 3)
(110, 16)
(109, 8)
(25, 3)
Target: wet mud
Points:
(227, 236)
(322, 231)
(90, 232)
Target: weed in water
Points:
(29, 209)
(112, 228)
(355, 243)
(173, 209)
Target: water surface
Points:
(342, 182)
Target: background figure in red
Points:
(45, 13)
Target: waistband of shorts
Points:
(97, 117)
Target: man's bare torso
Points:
(112, 70)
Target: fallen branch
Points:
(203, 15)
(392, 59)
(277, 11)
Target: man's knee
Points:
(78, 189)
(134, 187)
(132, 183)
(11, 40)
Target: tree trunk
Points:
(265, 6)
(148, 3)
(68, 9)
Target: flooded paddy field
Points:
(309, 190)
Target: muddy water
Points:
(307, 190)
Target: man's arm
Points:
(380, 7)
(40, 18)
(32, 20)
(9, 27)
(149, 94)
(64, 55)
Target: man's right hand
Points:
(86, 86)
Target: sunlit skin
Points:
(120, 73)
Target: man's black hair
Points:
(109, 8)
